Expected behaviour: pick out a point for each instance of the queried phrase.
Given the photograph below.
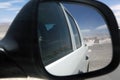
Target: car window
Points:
(54, 35)
(75, 31)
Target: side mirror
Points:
(61, 40)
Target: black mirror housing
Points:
(22, 48)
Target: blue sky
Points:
(85, 15)
(89, 19)
(91, 22)
(9, 9)
(115, 6)
(110, 2)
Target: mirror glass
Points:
(73, 38)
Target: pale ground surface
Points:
(98, 60)
(22, 79)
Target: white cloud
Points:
(9, 4)
(116, 7)
(4, 5)
(17, 12)
(116, 10)
(118, 20)
(101, 27)
(9, 20)
(117, 13)
(16, 1)
(13, 9)
(86, 30)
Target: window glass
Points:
(75, 31)
(53, 32)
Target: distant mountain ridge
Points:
(5, 24)
(3, 29)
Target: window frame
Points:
(70, 28)
(79, 36)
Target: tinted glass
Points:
(54, 36)
(75, 31)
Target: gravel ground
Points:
(100, 56)
(22, 79)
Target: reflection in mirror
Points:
(73, 38)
